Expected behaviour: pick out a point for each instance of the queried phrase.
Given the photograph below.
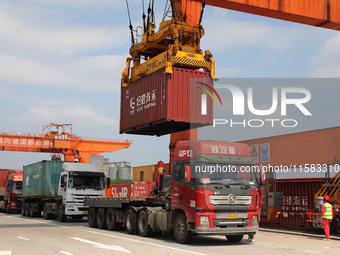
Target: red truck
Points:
(213, 188)
(10, 190)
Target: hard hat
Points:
(326, 198)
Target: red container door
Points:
(298, 198)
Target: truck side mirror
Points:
(108, 182)
(188, 173)
(62, 181)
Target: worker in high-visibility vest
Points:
(327, 216)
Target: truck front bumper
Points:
(72, 209)
(226, 231)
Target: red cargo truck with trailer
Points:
(10, 190)
(212, 189)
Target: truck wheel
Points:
(92, 217)
(100, 219)
(47, 216)
(7, 209)
(130, 224)
(61, 214)
(23, 209)
(234, 239)
(143, 225)
(27, 209)
(31, 213)
(182, 234)
(110, 219)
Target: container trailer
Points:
(58, 189)
(213, 188)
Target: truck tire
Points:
(47, 216)
(23, 209)
(31, 213)
(234, 238)
(27, 209)
(110, 219)
(143, 225)
(100, 219)
(92, 217)
(182, 234)
(130, 223)
(61, 214)
(7, 210)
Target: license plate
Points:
(85, 213)
(232, 216)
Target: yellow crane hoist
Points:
(175, 44)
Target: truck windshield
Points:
(86, 182)
(228, 174)
(17, 185)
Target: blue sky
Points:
(61, 62)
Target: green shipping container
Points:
(41, 179)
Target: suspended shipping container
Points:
(161, 103)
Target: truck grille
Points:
(224, 223)
(230, 200)
(79, 199)
(17, 197)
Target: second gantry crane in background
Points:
(59, 139)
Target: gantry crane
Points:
(177, 41)
(59, 139)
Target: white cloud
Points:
(14, 69)
(77, 114)
(43, 35)
(326, 63)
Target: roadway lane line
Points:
(5, 253)
(38, 221)
(102, 246)
(23, 238)
(115, 236)
(66, 253)
(153, 244)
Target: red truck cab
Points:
(217, 188)
(13, 191)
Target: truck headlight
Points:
(70, 205)
(255, 221)
(204, 222)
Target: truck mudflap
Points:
(226, 231)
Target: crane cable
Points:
(143, 17)
(185, 13)
(130, 26)
(148, 20)
(202, 11)
(165, 10)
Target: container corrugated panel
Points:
(311, 147)
(163, 103)
(298, 198)
(41, 179)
